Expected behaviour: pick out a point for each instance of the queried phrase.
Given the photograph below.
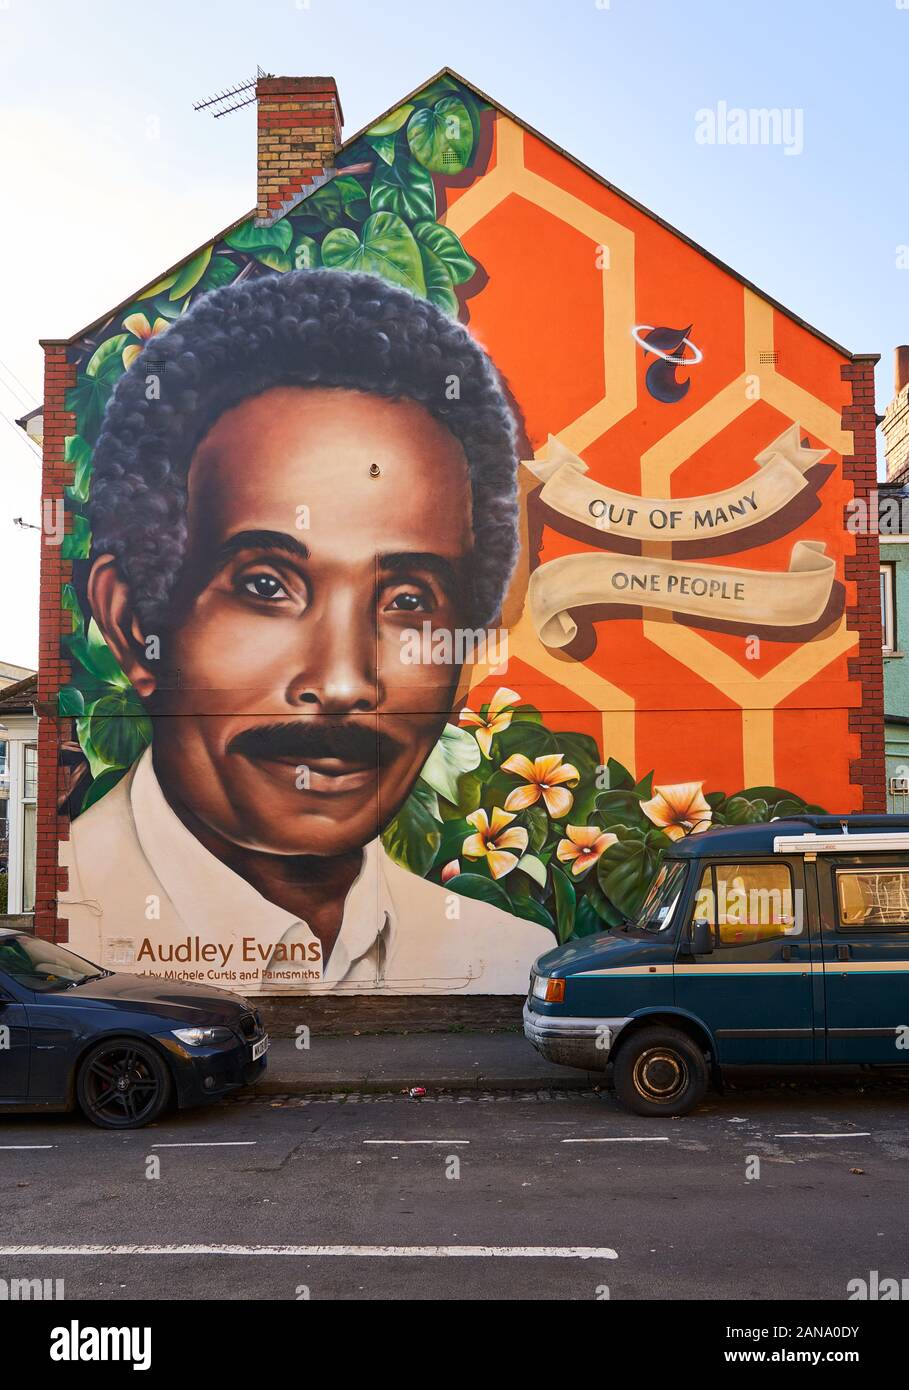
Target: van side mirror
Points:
(701, 938)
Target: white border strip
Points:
(382, 1252)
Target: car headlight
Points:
(197, 1037)
(546, 988)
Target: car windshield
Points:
(659, 905)
(42, 966)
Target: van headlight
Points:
(198, 1037)
(549, 990)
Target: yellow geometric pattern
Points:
(757, 696)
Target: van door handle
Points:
(843, 952)
(787, 952)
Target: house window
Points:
(29, 826)
(888, 607)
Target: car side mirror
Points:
(701, 938)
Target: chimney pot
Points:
(901, 368)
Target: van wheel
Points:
(122, 1084)
(660, 1071)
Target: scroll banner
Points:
(779, 482)
(758, 599)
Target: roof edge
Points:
(559, 149)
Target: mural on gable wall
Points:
(414, 617)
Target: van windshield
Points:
(659, 905)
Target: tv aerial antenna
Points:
(244, 94)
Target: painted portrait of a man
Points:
(328, 463)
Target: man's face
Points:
(304, 568)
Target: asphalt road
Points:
(667, 1208)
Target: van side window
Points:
(747, 903)
(873, 898)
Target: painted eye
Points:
(264, 586)
(407, 603)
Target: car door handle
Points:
(789, 952)
(843, 952)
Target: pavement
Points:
(377, 1062)
(786, 1194)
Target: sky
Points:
(108, 175)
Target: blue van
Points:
(780, 944)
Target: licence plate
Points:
(260, 1048)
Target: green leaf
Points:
(190, 274)
(77, 543)
(69, 602)
(95, 657)
(469, 791)
(221, 271)
(455, 753)
(119, 728)
(70, 701)
(159, 286)
(106, 362)
(439, 285)
(444, 244)
(533, 867)
(427, 797)
(307, 254)
(605, 910)
(275, 260)
(249, 237)
(484, 890)
(101, 785)
(565, 899)
(404, 188)
(87, 400)
(581, 750)
(392, 122)
(620, 808)
(453, 834)
(537, 823)
(441, 137)
(385, 146)
(531, 911)
(619, 777)
(384, 247)
(530, 739)
(77, 451)
(587, 921)
(413, 838)
(442, 87)
(644, 788)
(626, 869)
(343, 196)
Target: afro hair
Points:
(316, 328)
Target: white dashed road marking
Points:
(852, 1134)
(622, 1139)
(212, 1144)
(395, 1143)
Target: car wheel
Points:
(122, 1084)
(660, 1071)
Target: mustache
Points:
(317, 738)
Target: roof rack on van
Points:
(812, 843)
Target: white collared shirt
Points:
(205, 891)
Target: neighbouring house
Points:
(449, 439)
(18, 790)
(893, 524)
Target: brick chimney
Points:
(895, 424)
(299, 134)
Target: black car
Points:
(121, 1047)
